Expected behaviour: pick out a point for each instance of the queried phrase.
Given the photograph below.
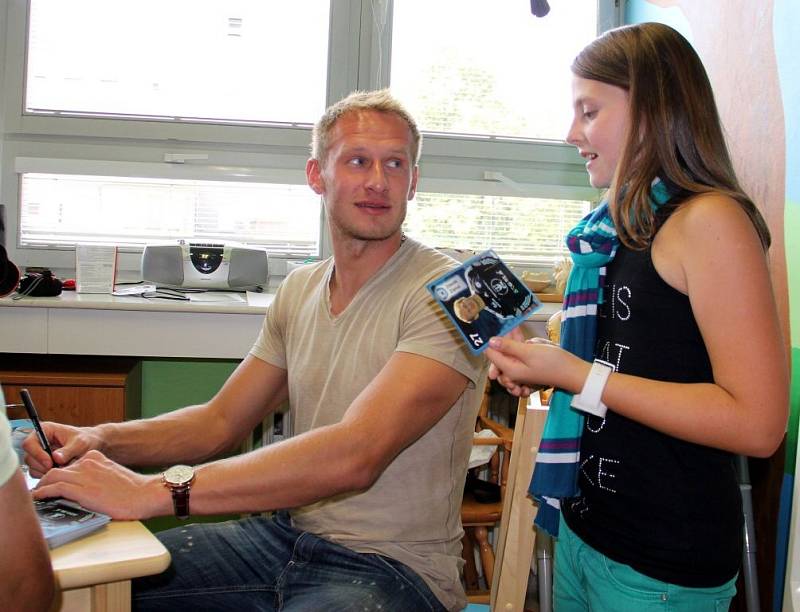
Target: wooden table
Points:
(94, 573)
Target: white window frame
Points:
(358, 58)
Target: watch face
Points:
(179, 475)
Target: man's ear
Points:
(314, 176)
(413, 189)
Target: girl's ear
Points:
(314, 176)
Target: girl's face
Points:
(599, 126)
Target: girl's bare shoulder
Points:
(707, 218)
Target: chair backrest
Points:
(517, 536)
(503, 439)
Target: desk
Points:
(94, 573)
(101, 324)
(98, 324)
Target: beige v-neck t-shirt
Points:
(412, 512)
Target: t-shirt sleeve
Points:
(270, 345)
(8, 458)
(427, 331)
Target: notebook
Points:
(63, 521)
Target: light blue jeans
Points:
(584, 579)
(267, 565)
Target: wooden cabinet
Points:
(74, 390)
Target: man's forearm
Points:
(196, 433)
(189, 435)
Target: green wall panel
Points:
(168, 384)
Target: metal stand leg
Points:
(749, 573)
(544, 565)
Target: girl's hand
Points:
(496, 374)
(522, 367)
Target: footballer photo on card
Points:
(483, 298)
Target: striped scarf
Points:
(592, 245)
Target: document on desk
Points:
(263, 300)
(135, 289)
(95, 268)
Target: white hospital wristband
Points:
(588, 400)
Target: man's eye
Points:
(356, 161)
(590, 114)
(395, 163)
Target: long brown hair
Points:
(674, 128)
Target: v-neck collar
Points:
(383, 270)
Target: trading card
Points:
(483, 298)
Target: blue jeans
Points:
(585, 580)
(265, 564)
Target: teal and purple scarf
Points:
(592, 245)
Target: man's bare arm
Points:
(189, 435)
(406, 399)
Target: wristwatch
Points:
(178, 479)
(588, 400)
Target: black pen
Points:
(34, 417)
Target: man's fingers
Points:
(38, 461)
(55, 489)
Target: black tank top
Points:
(668, 508)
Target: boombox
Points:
(200, 265)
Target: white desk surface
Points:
(255, 303)
(120, 551)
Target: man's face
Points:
(367, 178)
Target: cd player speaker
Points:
(248, 267)
(163, 264)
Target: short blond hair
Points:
(380, 101)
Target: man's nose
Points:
(377, 178)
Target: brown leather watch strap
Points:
(180, 500)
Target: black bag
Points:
(40, 284)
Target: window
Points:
(64, 209)
(183, 59)
(523, 230)
(494, 70)
(138, 121)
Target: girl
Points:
(670, 295)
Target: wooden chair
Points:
(477, 518)
(517, 539)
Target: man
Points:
(27, 582)
(383, 397)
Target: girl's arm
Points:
(709, 250)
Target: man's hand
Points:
(68, 443)
(99, 484)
